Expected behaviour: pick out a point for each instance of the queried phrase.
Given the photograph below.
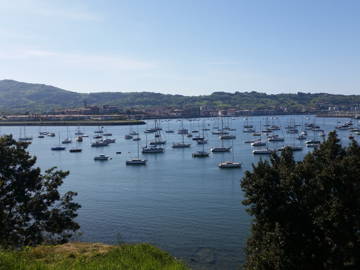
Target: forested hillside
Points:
(19, 97)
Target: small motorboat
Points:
(66, 141)
(58, 148)
(220, 149)
(200, 154)
(128, 137)
(99, 144)
(75, 150)
(101, 157)
(262, 152)
(136, 162)
(181, 145)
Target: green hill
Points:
(19, 97)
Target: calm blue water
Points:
(186, 206)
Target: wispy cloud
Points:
(51, 9)
(79, 60)
(224, 63)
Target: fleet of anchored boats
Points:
(264, 139)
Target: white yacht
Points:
(66, 141)
(229, 165)
(258, 143)
(99, 143)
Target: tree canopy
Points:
(32, 210)
(307, 213)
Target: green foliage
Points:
(307, 213)
(18, 97)
(82, 256)
(32, 211)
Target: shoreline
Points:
(73, 123)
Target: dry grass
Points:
(89, 256)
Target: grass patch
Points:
(89, 256)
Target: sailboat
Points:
(24, 138)
(157, 140)
(136, 161)
(222, 148)
(203, 153)
(59, 147)
(230, 164)
(78, 132)
(67, 140)
(169, 130)
(182, 132)
(99, 130)
(107, 134)
(152, 149)
(248, 128)
(137, 138)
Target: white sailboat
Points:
(181, 144)
(230, 164)
(136, 161)
(202, 153)
(152, 149)
(24, 138)
(222, 148)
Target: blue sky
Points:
(188, 47)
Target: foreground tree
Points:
(32, 211)
(307, 213)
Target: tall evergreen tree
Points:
(306, 213)
(32, 210)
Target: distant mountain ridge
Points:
(20, 97)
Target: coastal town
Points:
(115, 113)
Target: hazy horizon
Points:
(158, 92)
(183, 47)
